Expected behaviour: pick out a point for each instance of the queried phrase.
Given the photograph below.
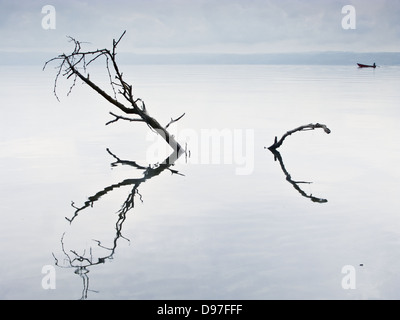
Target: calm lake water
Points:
(228, 222)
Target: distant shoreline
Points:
(311, 58)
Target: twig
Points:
(117, 117)
(174, 120)
(124, 162)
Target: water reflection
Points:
(295, 184)
(82, 262)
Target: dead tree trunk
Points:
(75, 65)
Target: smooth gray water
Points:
(209, 233)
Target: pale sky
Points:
(203, 26)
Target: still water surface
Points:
(198, 229)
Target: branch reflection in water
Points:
(295, 184)
(81, 262)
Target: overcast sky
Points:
(212, 26)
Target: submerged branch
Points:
(277, 156)
(310, 126)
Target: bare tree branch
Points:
(310, 126)
(75, 65)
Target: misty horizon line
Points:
(288, 58)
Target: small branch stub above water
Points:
(310, 126)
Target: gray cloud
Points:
(234, 26)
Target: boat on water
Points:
(360, 65)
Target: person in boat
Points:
(374, 65)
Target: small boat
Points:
(366, 65)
